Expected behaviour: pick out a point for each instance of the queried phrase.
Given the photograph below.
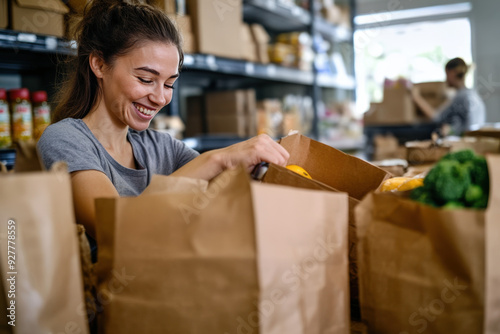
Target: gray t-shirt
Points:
(465, 111)
(70, 140)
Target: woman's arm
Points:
(87, 185)
(248, 153)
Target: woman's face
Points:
(139, 84)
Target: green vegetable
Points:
(459, 179)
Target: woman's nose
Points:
(161, 96)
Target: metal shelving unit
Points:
(15, 41)
(38, 55)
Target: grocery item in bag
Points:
(422, 268)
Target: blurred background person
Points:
(465, 111)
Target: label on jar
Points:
(5, 139)
(22, 122)
(41, 121)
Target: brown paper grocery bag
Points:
(211, 262)
(421, 269)
(36, 218)
(331, 170)
(492, 290)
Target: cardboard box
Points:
(397, 106)
(424, 152)
(217, 26)
(435, 93)
(168, 6)
(194, 116)
(226, 103)
(261, 39)
(184, 25)
(248, 47)
(484, 132)
(39, 17)
(227, 124)
(77, 6)
(251, 113)
(4, 17)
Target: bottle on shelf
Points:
(41, 113)
(21, 115)
(5, 134)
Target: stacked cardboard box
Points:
(261, 40)
(185, 27)
(226, 112)
(231, 112)
(217, 26)
(248, 46)
(195, 117)
(398, 106)
(4, 17)
(39, 17)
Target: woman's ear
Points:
(96, 65)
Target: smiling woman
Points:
(129, 56)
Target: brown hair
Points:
(457, 63)
(109, 29)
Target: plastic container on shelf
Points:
(41, 113)
(5, 133)
(21, 115)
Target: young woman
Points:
(129, 56)
(465, 111)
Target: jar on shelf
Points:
(5, 135)
(41, 113)
(21, 115)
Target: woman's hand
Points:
(248, 153)
(252, 152)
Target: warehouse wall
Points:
(486, 52)
(485, 49)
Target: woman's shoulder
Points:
(69, 127)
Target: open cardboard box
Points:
(331, 170)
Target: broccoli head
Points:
(422, 195)
(448, 181)
(460, 156)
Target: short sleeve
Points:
(61, 142)
(183, 153)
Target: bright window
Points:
(417, 51)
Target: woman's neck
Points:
(110, 131)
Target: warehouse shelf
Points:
(336, 81)
(268, 72)
(332, 32)
(16, 40)
(248, 69)
(276, 16)
(205, 143)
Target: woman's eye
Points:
(169, 86)
(145, 81)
